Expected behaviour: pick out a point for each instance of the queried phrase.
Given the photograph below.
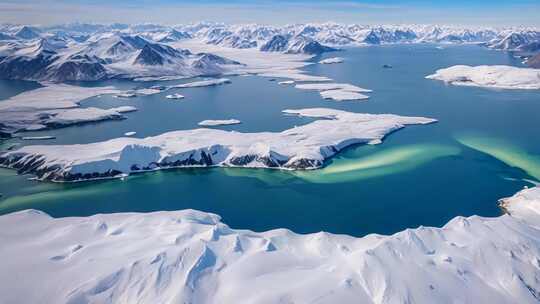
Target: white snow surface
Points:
(189, 256)
(490, 76)
(303, 147)
(219, 122)
(332, 60)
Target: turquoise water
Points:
(484, 147)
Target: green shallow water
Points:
(484, 147)
(505, 151)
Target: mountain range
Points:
(88, 52)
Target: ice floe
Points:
(286, 82)
(342, 95)
(46, 137)
(126, 95)
(302, 147)
(332, 60)
(174, 96)
(490, 76)
(211, 123)
(332, 86)
(190, 256)
(203, 83)
(336, 91)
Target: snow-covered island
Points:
(303, 147)
(494, 76)
(189, 256)
(218, 122)
(53, 106)
(332, 60)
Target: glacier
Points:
(191, 256)
(302, 147)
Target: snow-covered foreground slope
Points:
(303, 147)
(494, 76)
(192, 257)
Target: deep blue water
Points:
(422, 175)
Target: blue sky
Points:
(479, 12)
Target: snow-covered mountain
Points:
(27, 33)
(527, 40)
(103, 56)
(298, 44)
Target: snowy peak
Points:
(149, 56)
(27, 33)
(172, 36)
(298, 44)
(516, 41)
(277, 43)
(372, 38)
(304, 45)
